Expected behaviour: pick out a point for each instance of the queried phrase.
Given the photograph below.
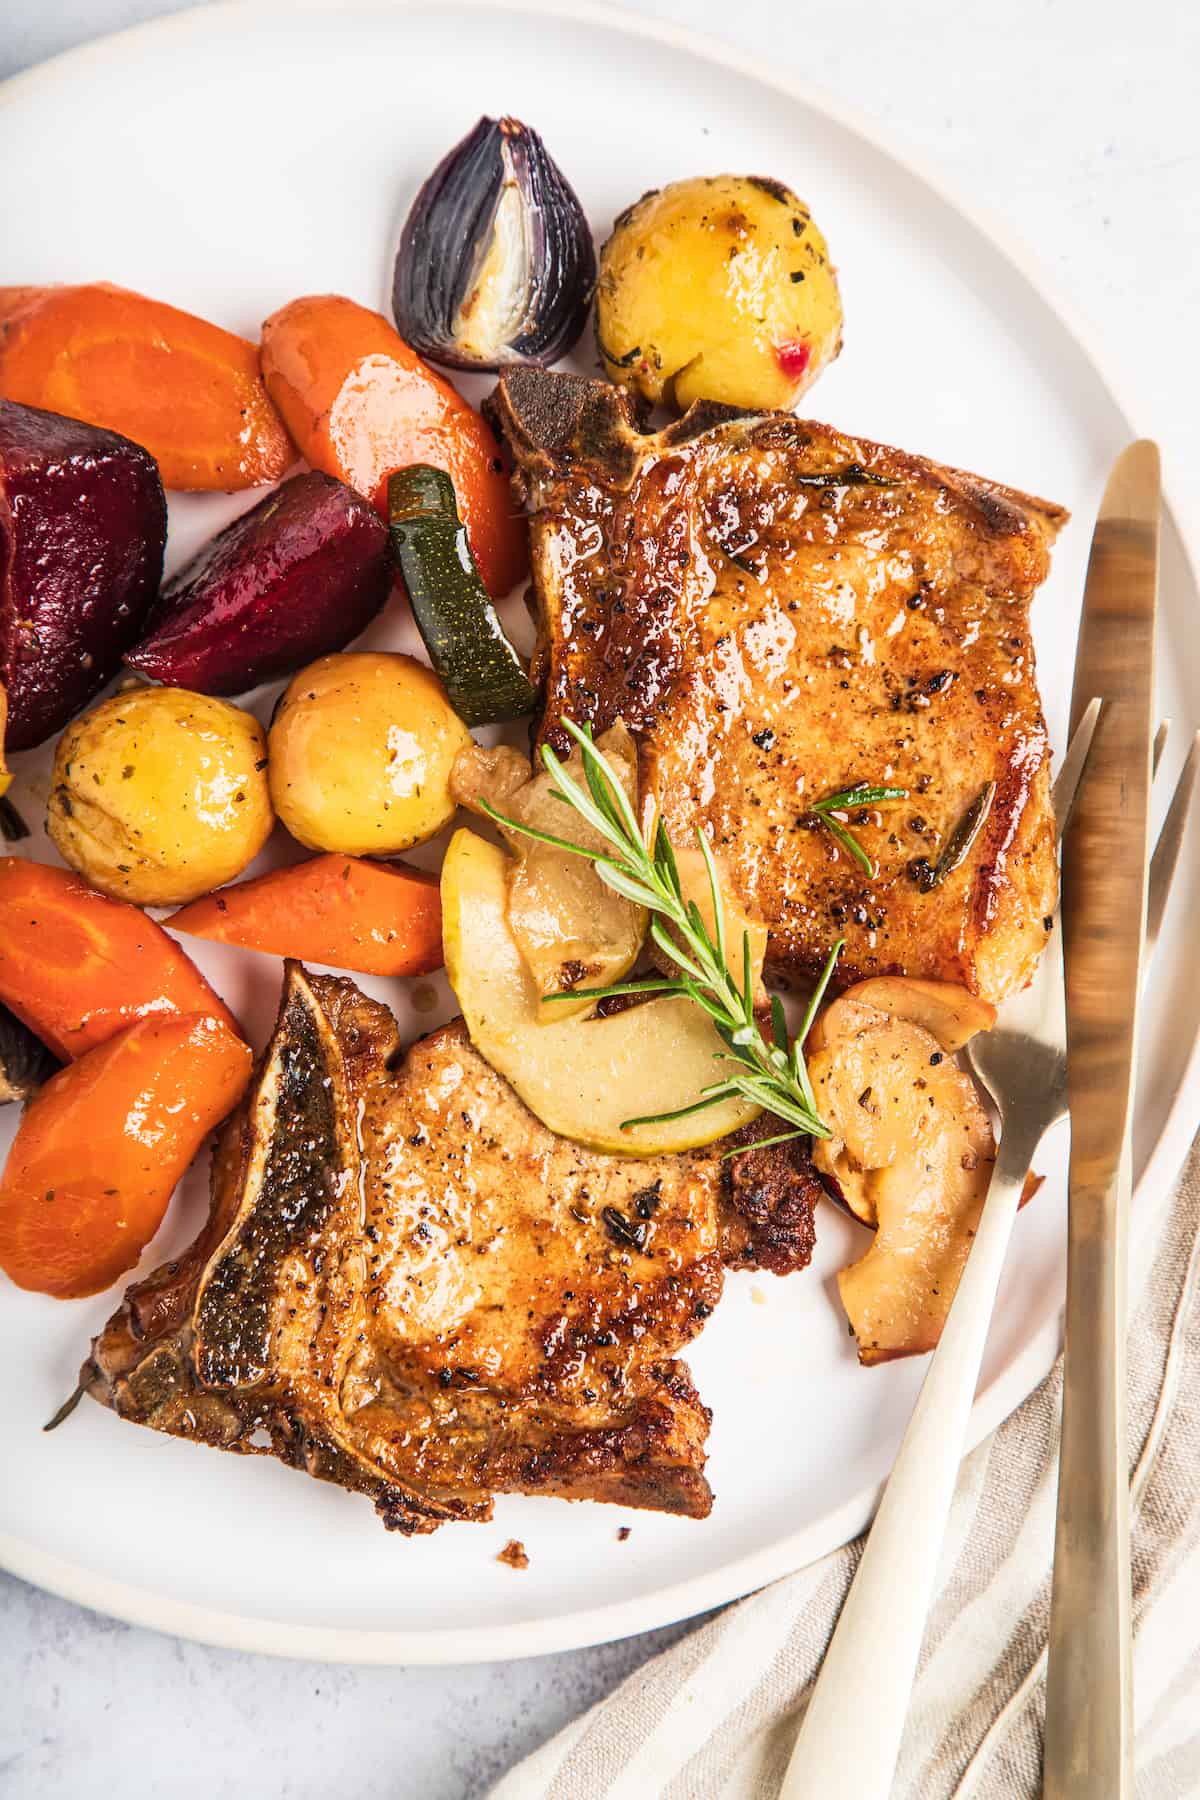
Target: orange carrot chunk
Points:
(100, 1149)
(348, 912)
(77, 967)
(186, 391)
(361, 404)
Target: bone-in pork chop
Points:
(778, 612)
(410, 1287)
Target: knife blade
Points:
(1089, 1731)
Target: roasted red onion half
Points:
(496, 263)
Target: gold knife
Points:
(1089, 1685)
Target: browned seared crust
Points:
(409, 1287)
(778, 611)
(772, 1196)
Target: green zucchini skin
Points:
(482, 673)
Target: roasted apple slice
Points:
(912, 1153)
(942, 1008)
(581, 1077)
(572, 930)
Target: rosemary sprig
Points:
(861, 794)
(771, 1074)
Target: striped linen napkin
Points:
(714, 1718)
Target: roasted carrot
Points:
(186, 391)
(361, 404)
(16, 299)
(348, 912)
(77, 967)
(100, 1149)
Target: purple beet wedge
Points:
(299, 575)
(83, 522)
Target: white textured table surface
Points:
(1074, 122)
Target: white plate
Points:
(231, 158)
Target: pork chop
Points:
(410, 1287)
(778, 612)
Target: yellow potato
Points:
(718, 288)
(361, 750)
(160, 795)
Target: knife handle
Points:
(1089, 1679)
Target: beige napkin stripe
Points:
(714, 1717)
(1148, 1461)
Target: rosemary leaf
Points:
(666, 943)
(712, 1097)
(771, 1073)
(569, 790)
(863, 793)
(818, 993)
(618, 991)
(546, 837)
(747, 978)
(781, 1137)
(962, 838)
(664, 855)
(853, 475)
(699, 998)
(848, 841)
(714, 886)
(593, 757)
(628, 886)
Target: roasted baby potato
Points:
(160, 795)
(361, 750)
(718, 288)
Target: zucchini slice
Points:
(482, 673)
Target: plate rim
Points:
(734, 1579)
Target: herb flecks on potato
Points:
(718, 288)
(160, 794)
(361, 750)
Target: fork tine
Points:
(1074, 763)
(1160, 744)
(1170, 842)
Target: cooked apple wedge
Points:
(582, 1077)
(942, 1008)
(572, 930)
(912, 1153)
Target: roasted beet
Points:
(297, 576)
(83, 522)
